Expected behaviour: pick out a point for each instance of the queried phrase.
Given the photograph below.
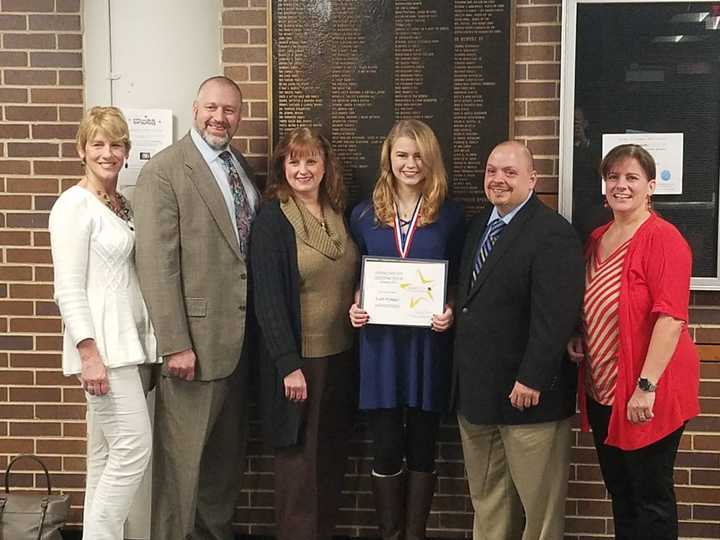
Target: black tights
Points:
(414, 438)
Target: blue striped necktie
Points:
(494, 231)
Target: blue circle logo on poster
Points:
(665, 175)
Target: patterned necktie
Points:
(243, 210)
(494, 231)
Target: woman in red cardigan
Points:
(639, 370)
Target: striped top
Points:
(600, 317)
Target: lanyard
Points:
(404, 241)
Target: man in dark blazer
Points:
(519, 296)
(194, 202)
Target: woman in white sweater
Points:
(108, 333)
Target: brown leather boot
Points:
(420, 491)
(390, 504)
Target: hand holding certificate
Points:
(404, 292)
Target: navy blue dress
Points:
(407, 366)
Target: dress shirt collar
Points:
(507, 218)
(209, 154)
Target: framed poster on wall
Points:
(648, 71)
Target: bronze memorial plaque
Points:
(354, 67)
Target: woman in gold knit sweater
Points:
(304, 272)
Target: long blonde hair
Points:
(434, 188)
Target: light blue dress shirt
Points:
(507, 218)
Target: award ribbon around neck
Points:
(403, 247)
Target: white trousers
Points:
(118, 452)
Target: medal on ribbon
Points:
(404, 241)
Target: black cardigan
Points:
(276, 292)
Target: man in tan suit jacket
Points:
(192, 223)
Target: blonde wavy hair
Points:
(434, 189)
(107, 121)
(304, 142)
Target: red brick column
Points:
(42, 100)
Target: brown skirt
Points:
(309, 476)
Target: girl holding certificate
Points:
(405, 370)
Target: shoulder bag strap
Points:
(28, 456)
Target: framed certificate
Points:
(403, 292)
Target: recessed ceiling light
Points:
(689, 17)
(667, 39)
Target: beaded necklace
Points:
(121, 208)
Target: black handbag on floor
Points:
(31, 516)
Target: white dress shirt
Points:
(96, 287)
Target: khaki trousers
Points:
(199, 457)
(516, 468)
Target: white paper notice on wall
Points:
(150, 131)
(666, 148)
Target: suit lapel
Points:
(512, 232)
(201, 176)
(477, 229)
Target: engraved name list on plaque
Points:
(353, 68)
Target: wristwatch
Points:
(645, 385)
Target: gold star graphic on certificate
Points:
(420, 289)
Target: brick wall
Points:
(537, 108)
(42, 412)
(42, 100)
